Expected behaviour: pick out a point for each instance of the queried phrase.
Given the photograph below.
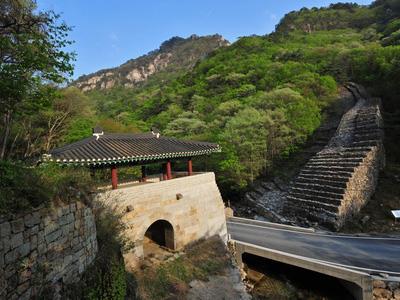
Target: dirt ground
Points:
(202, 271)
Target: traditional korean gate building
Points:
(172, 208)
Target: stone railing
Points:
(340, 179)
(48, 246)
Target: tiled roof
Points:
(125, 148)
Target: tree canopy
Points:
(32, 56)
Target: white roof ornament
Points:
(97, 132)
(155, 132)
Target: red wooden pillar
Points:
(164, 170)
(114, 177)
(190, 167)
(144, 176)
(169, 170)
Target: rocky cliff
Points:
(175, 55)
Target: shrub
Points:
(66, 183)
(106, 277)
(21, 188)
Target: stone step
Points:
(304, 205)
(366, 119)
(316, 198)
(338, 159)
(317, 192)
(367, 143)
(334, 177)
(335, 157)
(317, 168)
(366, 124)
(337, 163)
(326, 173)
(368, 136)
(357, 149)
(343, 154)
(367, 114)
(329, 187)
(329, 181)
(371, 130)
(368, 110)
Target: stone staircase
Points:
(339, 180)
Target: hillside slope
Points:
(381, 18)
(262, 97)
(174, 55)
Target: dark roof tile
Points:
(120, 148)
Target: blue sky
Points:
(109, 32)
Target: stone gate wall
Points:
(46, 246)
(192, 205)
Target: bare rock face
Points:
(140, 74)
(173, 55)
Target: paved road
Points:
(369, 254)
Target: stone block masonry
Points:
(44, 247)
(341, 178)
(192, 205)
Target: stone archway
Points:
(161, 232)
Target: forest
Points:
(259, 98)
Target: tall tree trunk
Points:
(14, 142)
(7, 128)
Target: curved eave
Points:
(120, 160)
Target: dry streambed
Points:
(202, 271)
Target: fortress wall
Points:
(45, 247)
(192, 205)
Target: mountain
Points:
(381, 19)
(260, 98)
(174, 56)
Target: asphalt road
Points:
(368, 254)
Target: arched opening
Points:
(161, 233)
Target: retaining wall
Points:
(45, 247)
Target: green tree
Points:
(31, 52)
(187, 125)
